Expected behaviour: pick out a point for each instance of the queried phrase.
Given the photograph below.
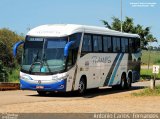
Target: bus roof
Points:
(60, 30)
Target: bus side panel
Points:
(88, 67)
(70, 80)
(99, 68)
(107, 67)
(121, 66)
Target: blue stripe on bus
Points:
(111, 70)
(115, 69)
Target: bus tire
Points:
(82, 86)
(129, 83)
(41, 93)
(123, 84)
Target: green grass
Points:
(154, 57)
(147, 74)
(148, 92)
(14, 76)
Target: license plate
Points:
(39, 87)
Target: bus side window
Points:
(97, 43)
(73, 51)
(107, 44)
(124, 45)
(70, 58)
(131, 45)
(137, 46)
(116, 44)
(87, 44)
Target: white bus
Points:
(68, 57)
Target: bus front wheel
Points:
(41, 93)
(82, 86)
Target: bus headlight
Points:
(25, 78)
(60, 77)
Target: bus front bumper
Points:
(59, 86)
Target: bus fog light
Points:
(61, 86)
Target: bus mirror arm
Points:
(16, 46)
(67, 46)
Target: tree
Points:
(7, 39)
(129, 27)
(7, 62)
(3, 73)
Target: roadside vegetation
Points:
(14, 75)
(9, 66)
(147, 74)
(154, 57)
(154, 60)
(148, 92)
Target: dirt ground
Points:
(95, 101)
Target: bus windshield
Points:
(46, 53)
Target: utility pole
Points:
(121, 17)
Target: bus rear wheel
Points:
(124, 83)
(129, 83)
(82, 86)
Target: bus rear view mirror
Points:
(67, 46)
(16, 46)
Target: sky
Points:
(22, 15)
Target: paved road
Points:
(102, 100)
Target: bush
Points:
(14, 75)
(7, 40)
(9, 65)
(3, 73)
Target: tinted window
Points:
(137, 46)
(107, 45)
(116, 44)
(73, 51)
(124, 44)
(97, 43)
(87, 44)
(76, 37)
(131, 45)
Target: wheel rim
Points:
(81, 86)
(129, 82)
(122, 84)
